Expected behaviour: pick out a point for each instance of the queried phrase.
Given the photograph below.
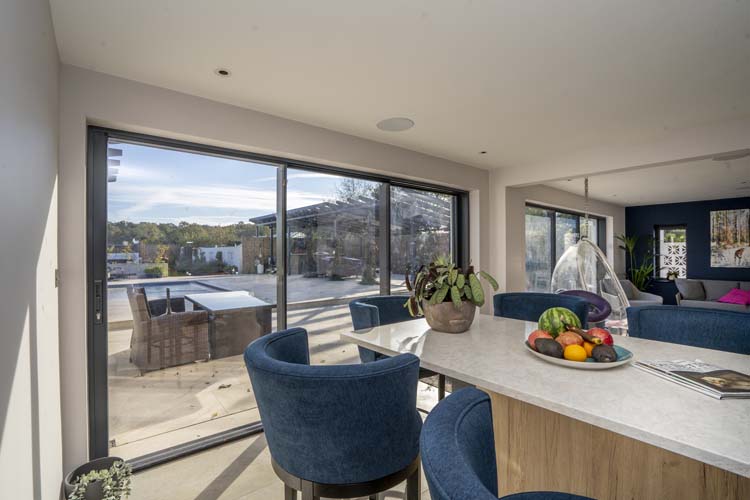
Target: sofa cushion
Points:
(690, 289)
(717, 289)
(736, 296)
(704, 304)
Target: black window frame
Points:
(601, 228)
(96, 280)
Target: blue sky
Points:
(160, 185)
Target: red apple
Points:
(538, 334)
(602, 334)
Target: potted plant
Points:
(639, 274)
(446, 295)
(105, 478)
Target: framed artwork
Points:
(730, 238)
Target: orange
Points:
(574, 353)
(589, 347)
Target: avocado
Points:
(549, 347)
(604, 353)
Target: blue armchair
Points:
(699, 327)
(528, 306)
(384, 310)
(458, 451)
(336, 431)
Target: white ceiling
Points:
(525, 80)
(692, 181)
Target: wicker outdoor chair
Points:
(164, 334)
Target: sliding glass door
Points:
(194, 252)
(549, 232)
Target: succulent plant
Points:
(442, 281)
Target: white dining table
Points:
(619, 433)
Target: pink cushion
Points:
(737, 296)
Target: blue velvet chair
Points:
(699, 327)
(370, 312)
(337, 431)
(528, 306)
(458, 451)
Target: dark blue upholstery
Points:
(377, 311)
(528, 306)
(336, 424)
(458, 451)
(699, 327)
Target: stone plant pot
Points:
(447, 318)
(94, 490)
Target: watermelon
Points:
(555, 319)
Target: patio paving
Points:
(163, 408)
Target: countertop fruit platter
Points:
(560, 339)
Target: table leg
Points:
(538, 449)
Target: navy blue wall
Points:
(641, 221)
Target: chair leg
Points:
(307, 491)
(441, 387)
(413, 484)
(289, 493)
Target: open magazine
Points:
(709, 379)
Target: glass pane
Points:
(421, 230)
(333, 244)
(538, 249)
(566, 232)
(191, 283)
(672, 252)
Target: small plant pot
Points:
(448, 318)
(94, 490)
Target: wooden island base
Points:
(538, 449)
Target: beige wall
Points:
(89, 97)
(30, 448)
(515, 202)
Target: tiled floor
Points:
(236, 471)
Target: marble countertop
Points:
(625, 400)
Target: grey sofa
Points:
(637, 297)
(706, 293)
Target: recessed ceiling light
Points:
(222, 72)
(396, 124)
(483, 152)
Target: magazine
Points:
(708, 379)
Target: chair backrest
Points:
(528, 306)
(458, 448)
(370, 312)
(138, 304)
(334, 424)
(699, 327)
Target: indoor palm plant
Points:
(446, 295)
(638, 274)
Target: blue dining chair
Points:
(458, 451)
(336, 431)
(694, 326)
(370, 312)
(528, 306)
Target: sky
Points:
(166, 186)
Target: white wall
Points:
(515, 203)
(89, 97)
(30, 432)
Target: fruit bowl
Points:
(623, 357)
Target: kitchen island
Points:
(608, 434)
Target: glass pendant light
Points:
(583, 266)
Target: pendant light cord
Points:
(585, 230)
